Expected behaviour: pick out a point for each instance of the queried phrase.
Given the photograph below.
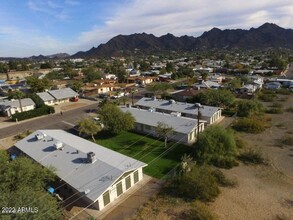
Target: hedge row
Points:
(44, 110)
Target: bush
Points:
(246, 108)
(276, 105)
(222, 180)
(44, 110)
(283, 91)
(249, 125)
(228, 112)
(267, 97)
(199, 211)
(240, 143)
(274, 110)
(290, 109)
(252, 156)
(199, 183)
(285, 140)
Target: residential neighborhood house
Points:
(9, 108)
(55, 97)
(185, 129)
(96, 174)
(208, 113)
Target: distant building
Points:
(94, 173)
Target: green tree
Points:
(220, 98)
(163, 70)
(38, 85)
(91, 74)
(204, 76)
(89, 127)
(46, 65)
(114, 119)
(170, 68)
(76, 85)
(164, 130)
(144, 66)
(23, 184)
(216, 146)
(234, 84)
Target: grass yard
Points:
(160, 160)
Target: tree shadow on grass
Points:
(104, 134)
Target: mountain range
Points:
(267, 35)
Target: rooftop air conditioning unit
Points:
(58, 145)
(171, 101)
(39, 136)
(91, 157)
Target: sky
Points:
(34, 27)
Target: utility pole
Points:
(198, 105)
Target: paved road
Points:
(55, 121)
(289, 73)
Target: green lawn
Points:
(145, 149)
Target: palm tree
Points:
(89, 127)
(164, 130)
(17, 94)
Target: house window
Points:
(135, 176)
(147, 127)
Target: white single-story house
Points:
(11, 107)
(185, 129)
(208, 113)
(54, 97)
(96, 174)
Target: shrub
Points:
(44, 110)
(274, 110)
(249, 125)
(246, 108)
(285, 140)
(276, 105)
(252, 156)
(283, 91)
(22, 135)
(222, 180)
(228, 112)
(290, 109)
(240, 143)
(199, 211)
(267, 97)
(199, 183)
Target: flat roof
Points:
(72, 166)
(206, 111)
(179, 124)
